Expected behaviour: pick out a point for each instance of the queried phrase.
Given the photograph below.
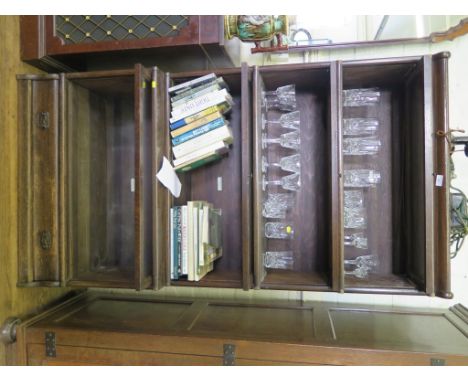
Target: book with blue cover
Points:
(198, 131)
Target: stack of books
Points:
(196, 240)
(199, 131)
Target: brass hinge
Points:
(43, 120)
(50, 344)
(229, 355)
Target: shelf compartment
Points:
(108, 190)
(310, 216)
(232, 269)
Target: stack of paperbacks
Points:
(200, 132)
(196, 240)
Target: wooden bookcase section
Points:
(111, 222)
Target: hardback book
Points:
(211, 157)
(223, 133)
(200, 152)
(192, 107)
(198, 123)
(171, 222)
(222, 108)
(184, 241)
(179, 88)
(197, 92)
(198, 131)
(215, 84)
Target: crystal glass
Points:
(368, 261)
(357, 240)
(355, 218)
(353, 198)
(290, 182)
(278, 230)
(361, 146)
(290, 140)
(359, 272)
(361, 97)
(278, 259)
(361, 178)
(290, 163)
(276, 205)
(290, 121)
(360, 126)
(283, 98)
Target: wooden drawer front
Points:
(38, 238)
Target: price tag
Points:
(439, 181)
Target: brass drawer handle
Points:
(43, 119)
(45, 239)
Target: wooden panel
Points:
(441, 194)
(38, 184)
(393, 330)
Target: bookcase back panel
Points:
(309, 216)
(101, 143)
(395, 207)
(220, 183)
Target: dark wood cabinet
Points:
(96, 329)
(93, 170)
(77, 43)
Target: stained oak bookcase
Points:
(93, 214)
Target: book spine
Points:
(196, 94)
(179, 241)
(199, 104)
(185, 121)
(199, 153)
(198, 131)
(220, 134)
(172, 242)
(198, 163)
(192, 83)
(198, 123)
(184, 241)
(176, 245)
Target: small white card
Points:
(439, 180)
(168, 177)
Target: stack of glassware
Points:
(360, 141)
(276, 204)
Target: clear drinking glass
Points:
(361, 97)
(369, 261)
(276, 205)
(353, 198)
(361, 178)
(357, 240)
(355, 218)
(290, 163)
(361, 146)
(278, 259)
(359, 272)
(360, 126)
(290, 182)
(290, 121)
(290, 140)
(278, 230)
(283, 98)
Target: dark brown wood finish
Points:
(202, 40)
(123, 329)
(441, 193)
(38, 182)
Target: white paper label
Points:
(168, 177)
(132, 185)
(439, 180)
(220, 183)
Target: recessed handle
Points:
(45, 239)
